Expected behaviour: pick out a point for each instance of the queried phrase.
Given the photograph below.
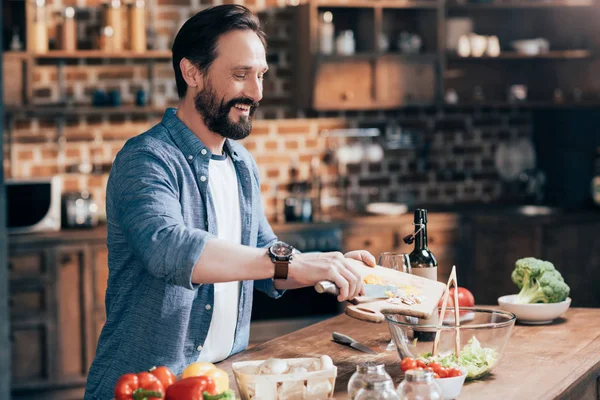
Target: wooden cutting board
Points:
(372, 310)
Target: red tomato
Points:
(434, 366)
(442, 372)
(408, 363)
(436, 376)
(465, 298)
(429, 369)
(421, 364)
(452, 372)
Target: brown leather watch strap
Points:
(281, 269)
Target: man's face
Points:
(232, 86)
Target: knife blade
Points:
(371, 290)
(348, 341)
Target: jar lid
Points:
(370, 366)
(379, 383)
(416, 375)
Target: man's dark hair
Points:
(197, 38)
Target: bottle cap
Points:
(415, 375)
(420, 216)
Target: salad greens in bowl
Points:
(483, 338)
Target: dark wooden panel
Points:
(26, 266)
(574, 249)
(27, 302)
(344, 85)
(70, 316)
(496, 248)
(28, 354)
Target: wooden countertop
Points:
(556, 361)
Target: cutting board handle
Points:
(364, 313)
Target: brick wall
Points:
(451, 159)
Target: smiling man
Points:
(187, 237)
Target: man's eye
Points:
(240, 76)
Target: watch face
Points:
(281, 250)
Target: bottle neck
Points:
(421, 238)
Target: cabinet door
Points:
(28, 265)
(344, 85)
(375, 240)
(496, 248)
(574, 249)
(72, 313)
(29, 349)
(399, 82)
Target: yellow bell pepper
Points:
(220, 377)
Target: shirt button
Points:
(203, 151)
(203, 178)
(190, 157)
(199, 348)
(208, 307)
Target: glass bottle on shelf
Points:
(366, 372)
(38, 43)
(596, 179)
(419, 385)
(380, 389)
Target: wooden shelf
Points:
(523, 4)
(83, 54)
(57, 110)
(527, 104)
(430, 57)
(409, 4)
(551, 55)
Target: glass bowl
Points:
(414, 337)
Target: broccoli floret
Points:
(530, 268)
(539, 282)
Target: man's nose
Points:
(254, 89)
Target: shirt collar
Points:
(188, 143)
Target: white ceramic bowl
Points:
(451, 387)
(535, 314)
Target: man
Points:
(187, 236)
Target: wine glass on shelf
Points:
(399, 262)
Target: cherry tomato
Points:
(429, 369)
(421, 364)
(164, 375)
(436, 376)
(442, 372)
(408, 363)
(434, 366)
(452, 372)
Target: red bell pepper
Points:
(191, 388)
(139, 387)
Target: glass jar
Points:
(366, 372)
(379, 389)
(419, 385)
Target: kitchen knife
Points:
(371, 290)
(348, 341)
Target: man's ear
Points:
(191, 74)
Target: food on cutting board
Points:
(475, 360)
(290, 379)
(407, 294)
(200, 381)
(539, 282)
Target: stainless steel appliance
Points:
(33, 205)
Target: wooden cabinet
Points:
(55, 283)
(372, 77)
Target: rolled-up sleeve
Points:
(146, 200)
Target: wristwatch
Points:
(281, 254)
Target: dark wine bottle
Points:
(423, 263)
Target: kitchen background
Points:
(485, 112)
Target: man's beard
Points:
(215, 114)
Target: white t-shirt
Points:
(223, 184)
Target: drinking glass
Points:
(398, 262)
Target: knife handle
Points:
(327, 287)
(340, 338)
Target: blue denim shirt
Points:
(160, 216)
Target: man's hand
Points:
(362, 255)
(310, 268)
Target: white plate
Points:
(386, 208)
(534, 314)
